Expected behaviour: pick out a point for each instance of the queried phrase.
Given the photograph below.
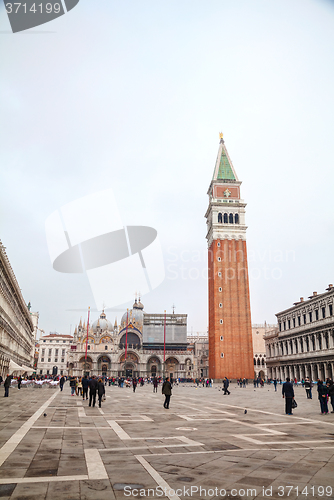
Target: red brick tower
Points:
(230, 328)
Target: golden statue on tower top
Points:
(220, 135)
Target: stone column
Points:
(331, 339)
(317, 347)
(326, 369)
(314, 373)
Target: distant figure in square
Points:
(167, 391)
(288, 393)
(308, 388)
(100, 391)
(92, 390)
(7, 385)
(226, 383)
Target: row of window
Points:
(312, 317)
(228, 218)
(57, 341)
(56, 352)
(259, 362)
(56, 360)
(299, 345)
(48, 372)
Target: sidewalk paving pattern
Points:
(54, 446)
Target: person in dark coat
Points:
(92, 390)
(155, 384)
(331, 393)
(134, 384)
(19, 382)
(100, 391)
(226, 383)
(308, 388)
(323, 393)
(85, 384)
(167, 391)
(288, 393)
(7, 385)
(61, 383)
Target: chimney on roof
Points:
(315, 294)
(329, 287)
(301, 299)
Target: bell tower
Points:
(230, 328)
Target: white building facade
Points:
(17, 330)
(53, 351)
(303, 344)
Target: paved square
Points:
(54, 446)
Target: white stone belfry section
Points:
(87, 235)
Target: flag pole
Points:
(126, 335)
(165, 343)
(87, 339)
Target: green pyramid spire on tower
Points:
(224, 169)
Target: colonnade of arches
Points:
(315, 341)
(300, 371)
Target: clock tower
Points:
(230, 328)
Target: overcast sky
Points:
(131, 95)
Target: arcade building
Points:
(135, 348)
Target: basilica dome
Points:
(134, 315)
(103, 323)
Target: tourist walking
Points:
(92, 390)
(275, 384)
(155, 384)
(226, 384)
(73, 385)
(7, 385)
(331, 393)
(167, 391)
(85, 383)
(100, 391)
(308, 388)
(80, 386)
(61, 383)
(288, 393)
(19, 382)
(134, 384)
(323, 393)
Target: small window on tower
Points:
(219, 259)
(230, 217)
(221, 321)
(225, 219)
(219, 274)
(236, 218)
(220, 289)
(220, 218)
(221, 354)
(221, 337)
(218, 244)
(220, 305)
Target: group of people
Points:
(81, 385)
(325, 393)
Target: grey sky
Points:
(131, 95)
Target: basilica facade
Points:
(129, 350)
